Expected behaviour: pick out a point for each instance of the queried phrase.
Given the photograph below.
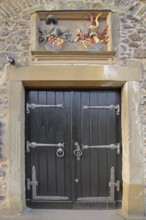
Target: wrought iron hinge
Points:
(33, 106)
(115, 184)
(34, 145)
(112, 183)
(111, 146)
(109, 107)
(31, 183)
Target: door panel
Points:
(50, 125)
(96, 127)
(71, 181)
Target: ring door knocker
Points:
(60, 152)
(77, 151)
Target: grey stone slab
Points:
(67, 215)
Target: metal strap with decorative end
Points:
(33, 106)
(109, 107)
(111, 147)
(34, 145)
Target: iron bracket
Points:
(113, 184)
(109, 107)
(32, 183)
(33, 106)
(111, 147)
(34, 145)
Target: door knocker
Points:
(60, 152)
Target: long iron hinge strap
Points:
(109, 107)
(111, 147)
(34, 145)
(33, 106)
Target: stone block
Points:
(135, 37)
(26, 16)
(121, 2)
(132, 18)
(22, 22)
(96, 6)
(25, 43)
(125, 41)
(70, 5)
(134, 205)
(133, 44)
(14, 39)
(12, 48)
(142, 11)
(141, 30)
(4, 31)
(127, 26)
(124, 20)
(139, 53)
(134, 8)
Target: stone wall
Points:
(15, 42)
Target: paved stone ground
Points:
(36, 214)
(67, 215)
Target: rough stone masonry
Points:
(15, 41)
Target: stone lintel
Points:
(75, 75)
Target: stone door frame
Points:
(78, 76)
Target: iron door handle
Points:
(60, 152)
(77, 151)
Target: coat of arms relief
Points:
(77, 35)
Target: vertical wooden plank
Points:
(77, 108)
(60, 169)
(85, 123)
(94, 140)
(42, 130)
(67, 141)
(33, 98)
(42, 171)
(111, 117)
(34, 137)
(50, 137)
(27, 138)
(103, 186)
(118, 140)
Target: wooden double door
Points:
(73, 149)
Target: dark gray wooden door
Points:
(73, 157)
